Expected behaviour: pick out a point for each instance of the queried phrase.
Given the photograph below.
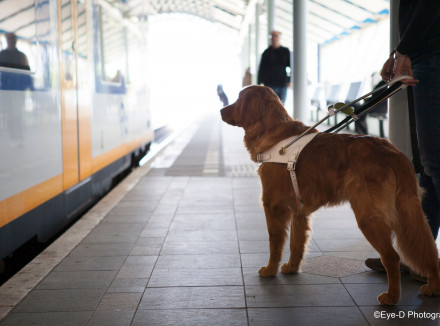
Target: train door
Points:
(75, 90)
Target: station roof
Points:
(327, 19)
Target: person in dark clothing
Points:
(11, 57)
(273, 64)
(418, 55)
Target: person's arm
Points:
(426, 12)
(261, 71)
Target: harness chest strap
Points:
(289, 158)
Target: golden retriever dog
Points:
(370, 173)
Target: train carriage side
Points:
(71, 120)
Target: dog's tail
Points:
(414, 239)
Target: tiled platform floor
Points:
(183, 247)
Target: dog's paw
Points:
(266, 272)
(288, 269)
(428, 291)
(386, 299)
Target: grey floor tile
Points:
(191, 317)
(140, 261)
(117, 317)
(60, 300)
(212, 222)
(155, 232)
(401, 315)
(366, 294)
(201, 261)
(193, 297)
(103, 250)
(356, 255)
(371, 277)
(121, 210)
(120, 301)
(195, 277)
(195, 248)
(147, 246)
(343, 245)
(201, 236)
(219, 209)
(129, 219)
(80, 263)
(257, 260)
(337, 233)
(262, 246)
(47, 319)
(135, 271)
(128, 285)
(78, 280)
(307, 316)
(251, 277)
(143, 204)
(330, 295)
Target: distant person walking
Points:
(273, 64)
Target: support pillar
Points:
(399, 133)
(270, 16)
(257, 36)
(299, 68)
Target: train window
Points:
(17, 34)
(136, 49)
(67, 40)
(113, 49)
(82, 30)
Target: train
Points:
(74, 110)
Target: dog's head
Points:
(255, 105)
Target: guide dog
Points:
(370, 173)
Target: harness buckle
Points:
(291, 166)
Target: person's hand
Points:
(403, 66)
(288, 85)
(387, 70)
(398, 66)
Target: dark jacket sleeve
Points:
(422, 21)
(262, 69)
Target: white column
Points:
(257, 36)
(399, 133)
(270, 16)
(300, 104)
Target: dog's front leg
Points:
(299, 235)
(276, 220)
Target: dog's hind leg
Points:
(299, 235)
(277, 223)
(378, 233)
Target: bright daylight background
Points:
(188, 58)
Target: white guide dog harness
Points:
(290, 156)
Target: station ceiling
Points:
(327, 19)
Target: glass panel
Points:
(82, 30)
(112, 49)
(67, 40)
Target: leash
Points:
(389, 89)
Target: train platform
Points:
(180, 242)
